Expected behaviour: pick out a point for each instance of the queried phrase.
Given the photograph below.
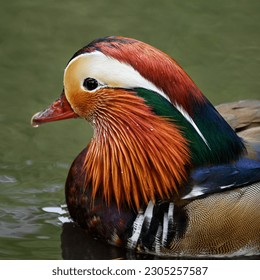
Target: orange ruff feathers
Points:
(135, 156)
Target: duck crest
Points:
(135, 156)
(154, 65)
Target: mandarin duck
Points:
(164, 173)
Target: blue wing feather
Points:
(213, 179)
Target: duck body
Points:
(219, 216)
(164, 172)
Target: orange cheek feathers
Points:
(83, 103)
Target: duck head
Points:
(151, 122)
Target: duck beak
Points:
(58, 110)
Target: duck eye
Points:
(90, 83)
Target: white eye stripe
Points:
(112, 73)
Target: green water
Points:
(216, 42)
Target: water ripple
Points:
(7, 179)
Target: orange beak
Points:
(58, 110)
